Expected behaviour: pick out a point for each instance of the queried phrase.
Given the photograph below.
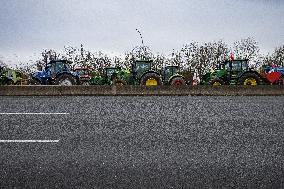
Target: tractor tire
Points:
(10, 82)
(151, 79)
(249, 79)
(216, 82)
(85, 83)
(65, 80)
(18, 83)
(34, 82)
(281, 80)
(178, 81)
(119, 82)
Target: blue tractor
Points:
(56, 72)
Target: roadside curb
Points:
(28, 90)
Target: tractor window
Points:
(236, 66)
(170, 71)
(142, 67)
(59, 67)
(227, 65)
(109, 72)
(245, 65)
(221, 67)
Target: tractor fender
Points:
(34, 80)
(38, 79)
(150, 71)
(174, 76)
(246, 72)
(260, 78)
(61, 73)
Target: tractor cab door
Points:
(235, 69)
(245, 65)
(169, 71)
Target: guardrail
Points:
(27, 90)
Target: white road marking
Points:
(41, 113)
(29, 141)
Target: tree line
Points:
(194, 56)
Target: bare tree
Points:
(278, 56)
(49, 55)
(189, 55)
(220, 51)
(2, 63)
(247, 49)
(205, 56)
(160, 61)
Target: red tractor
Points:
(85, 74)
(273, 74)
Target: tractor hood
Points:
(39, 74)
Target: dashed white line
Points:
(41, 113)
(29, 141)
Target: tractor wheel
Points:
(280, 81)
(65, 80)
(216, 82)
(249, 79)
(10, 82)
(34, 82)
(177, 81)
(151, 79)
(18, 83)
(118, 82)
(85, 83)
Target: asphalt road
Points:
(142, 142)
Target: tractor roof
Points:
(172, 66)
(64, 61)
(236, 60)
(83, 68)
(111, 68)
(143, 61)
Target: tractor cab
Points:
(170, 71)
(109, 72)
(139, 67)
(236, 67)
(54, 68)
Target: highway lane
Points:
(142, 142)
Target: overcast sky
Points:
(29, 26)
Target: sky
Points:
(29, 26)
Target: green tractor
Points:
(10, 77)
(232, 72)
(105, 79)
(141, 73)
(173, 76)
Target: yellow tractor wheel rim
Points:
(250, 81)
(151, 82)
(216, 83)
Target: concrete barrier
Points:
(262, 90)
